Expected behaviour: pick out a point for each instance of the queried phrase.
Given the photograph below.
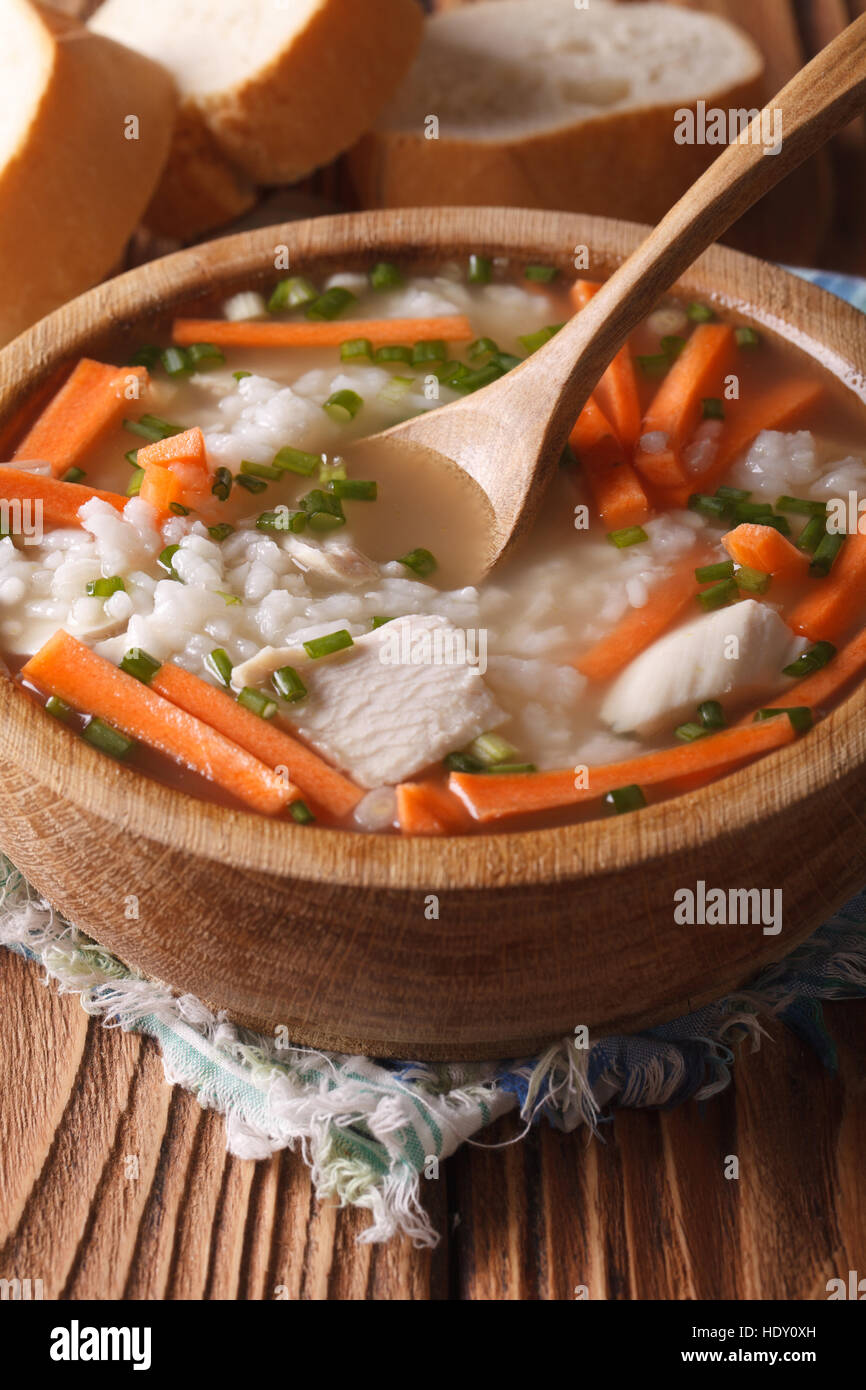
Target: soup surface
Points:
(205, 574)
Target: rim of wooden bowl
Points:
(822, 326)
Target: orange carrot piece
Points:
(430, 808)
(775, 409)
(454, 328)
(21, 419)
(515, 794)
(617, 391)
(641, 626)
(822, 686)
(59, 501)
(322, 784)
(83, 411)
(175, 471)
(838, 600)
(675, 409)
(616, 490)
(766, 549)
(66, 668)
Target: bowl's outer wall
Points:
(452, 948)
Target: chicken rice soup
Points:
(201, 576)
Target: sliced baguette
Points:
(271, 89)
(541, 104)
(72, 186)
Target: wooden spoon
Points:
(509, 436)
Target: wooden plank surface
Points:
(114, 1185)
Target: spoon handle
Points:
(823, 97)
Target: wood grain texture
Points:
(114, 1185)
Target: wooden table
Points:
(114, 1185)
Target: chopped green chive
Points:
(331, 304)
(480, 270)
(689, 732)
(379, 622)
(385, 276)
(753, 581)
(343, 406)
(800, 717)
(480, 348)
(133, 487)
(296, 461)
(131, 457)
(449, 373)
(778, 523)
(222, 484)
(147, 355)
(718, 595)
(139, 663)
(625, 799)
(219, 665)
(177, 361)
(541, 274)
(812, 660)
(324, 511)
(462, 762)
(811, 535)
(104, 588)
(58, 708)
(392, 353)
(672, 345)
(733, 494)
(746, 337)
(107, 739)
(714, 508)
(206, 355)
(73, 475)
(355, 348)
(288, 683)
(700, 313)
(751, 511)
(331, 472)
(300, 812)
(239, 376)
(354, 489)
(533, 341)
(178, 509)
(712, 715)
(474, 381)
(257, 703)
(707, 574)
(152, 428)
(712, 408)
(429, 350)
(628, 535)
(801, 506)
(166, 560)
(282, 520)
(259, 470)
(653, 363)
(394, 390)
(512, 767)
(221, 531)
(327, 645)
(230, 600)
(506, 360)
(249, 483)
(292, 293)
(491, 748)
(825, 554)
(420, 561)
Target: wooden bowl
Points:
(430, 948)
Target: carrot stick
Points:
(822, 686)
(175, 471)
(322, 784)
(60, 502)
(83, 411)
(619, 498)
(454, 328)
(641, 626)
(617, 391)
(765, 549)
(838, 600)
(676, 407)
(22, 418)
(66, 668)
(491, 797)
(775, 409)
(429, 808)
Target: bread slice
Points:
(72, 186)
(271, 89)
(542, 104)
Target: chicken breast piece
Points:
(394, 702)
(338, 564)
(737, 653)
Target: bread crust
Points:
(76, 189)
